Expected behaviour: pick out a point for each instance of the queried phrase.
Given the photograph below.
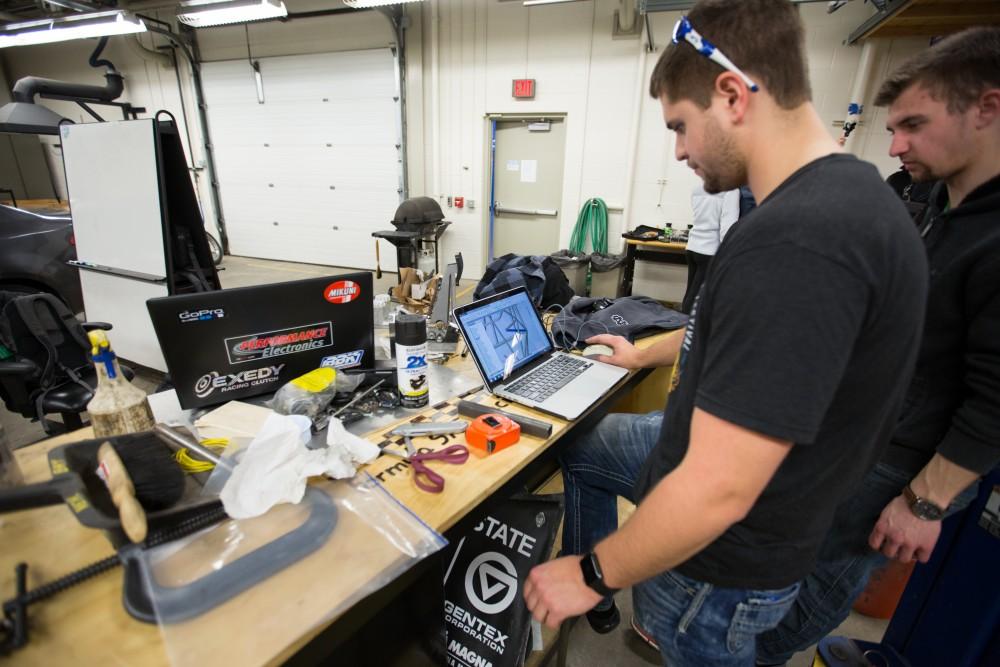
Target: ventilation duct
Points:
(24, 116)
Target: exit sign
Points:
(524, 89)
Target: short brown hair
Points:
(764, 38)
(956, 70)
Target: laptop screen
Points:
(504, 334)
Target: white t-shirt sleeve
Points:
(730, 212)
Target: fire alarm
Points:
(459, 202)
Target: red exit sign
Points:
(524, 89)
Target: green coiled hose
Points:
(592, 222)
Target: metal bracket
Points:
(618, 32)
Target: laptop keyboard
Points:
(548, 378)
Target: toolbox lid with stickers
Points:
(233, 343)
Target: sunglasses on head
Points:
(684, 31)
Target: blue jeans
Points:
(599, 467)
(841, 572)
(694, 623)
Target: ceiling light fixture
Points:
(207, 13)
(77, 26)
(535, 3)
(366, 4)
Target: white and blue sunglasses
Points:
(684, 31)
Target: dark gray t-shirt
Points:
(806, 330)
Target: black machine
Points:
(419, 223)
(233, 343)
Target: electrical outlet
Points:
(661, 181)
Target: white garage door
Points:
(308, 175)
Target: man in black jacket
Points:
(944, 113)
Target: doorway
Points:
(527, 157)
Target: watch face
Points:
(591, 570)
(927, 510)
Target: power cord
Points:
(194, 465)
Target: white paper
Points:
(513, 165)
(166, 408)
(529, 171)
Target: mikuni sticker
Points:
(342, 291)
(254, 347)
(343, 360)
(252, 377)
(201, 315)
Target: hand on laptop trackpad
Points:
(595, 350)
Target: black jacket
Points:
(953, 403)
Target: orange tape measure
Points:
(492, 432)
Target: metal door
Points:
(528, 156)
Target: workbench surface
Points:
(87, 624)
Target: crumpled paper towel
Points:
(276, 464)
(344, 450)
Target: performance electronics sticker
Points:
(343, 360)
(269, 344)
(342, 291)
(201, 315)
(253, 377)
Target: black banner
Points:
(486, 620)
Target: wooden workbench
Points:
(88, 624)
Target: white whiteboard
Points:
(122, 302)
(114, 195)
(311, 173)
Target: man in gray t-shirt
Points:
(712, 216)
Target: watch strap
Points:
(593, 576)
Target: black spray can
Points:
(411, 360)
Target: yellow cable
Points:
(193, 465)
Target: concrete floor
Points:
(587, 649)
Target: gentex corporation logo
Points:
(342, 291)
(278, 343)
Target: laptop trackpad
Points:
(576, 397)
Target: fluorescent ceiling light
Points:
(205, 13)
(535, 3)
(365, 4)
(77, 26)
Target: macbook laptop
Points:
(518, 361)
(233, 343)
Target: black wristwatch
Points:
(921, 507)
(593, 576)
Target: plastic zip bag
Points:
(310, 394)
(272, 597)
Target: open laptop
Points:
(518, 361)
(233, 343)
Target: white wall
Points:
(479, 46)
